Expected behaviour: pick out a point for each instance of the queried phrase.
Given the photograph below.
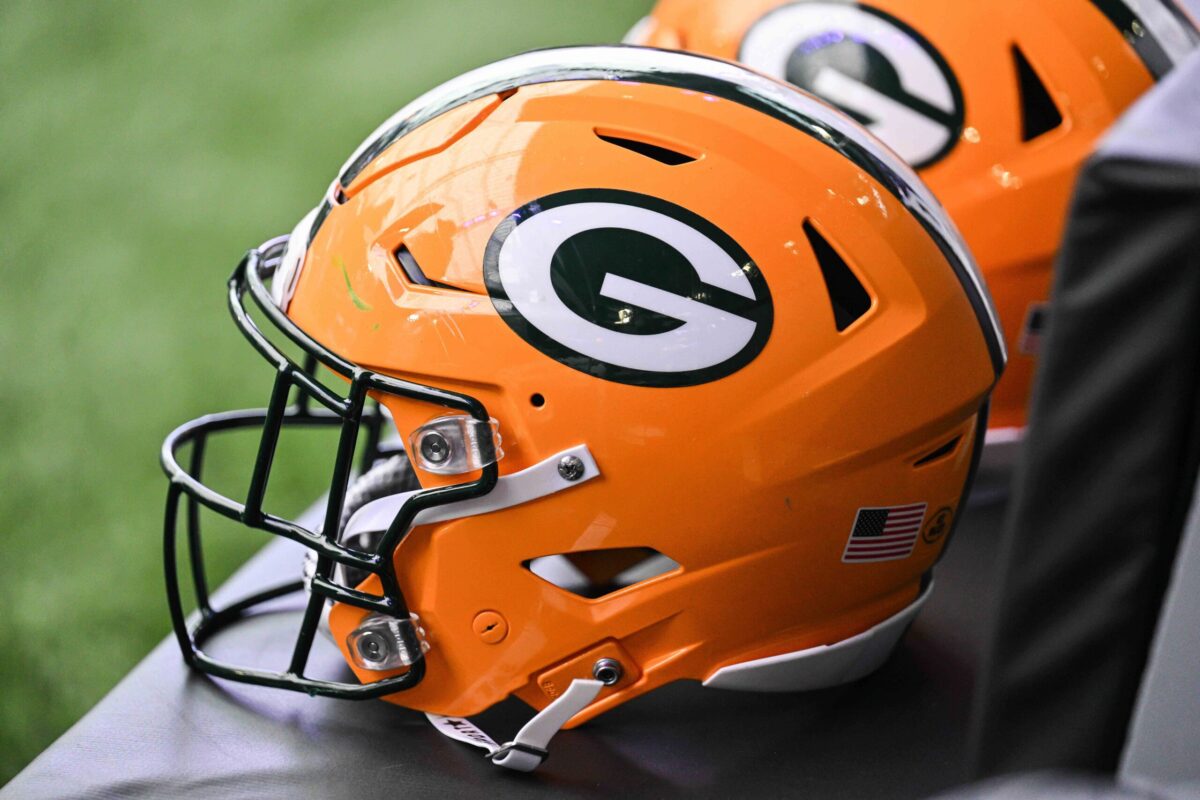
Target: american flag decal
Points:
(884, 534)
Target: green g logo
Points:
(628, 288)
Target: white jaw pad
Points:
(824, 666)
(511, 490)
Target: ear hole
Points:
(1039, 114)
(938, 453)
(847, 295)
(596, 573)
(664, 155)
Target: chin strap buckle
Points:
(521, 757)
(527, 750)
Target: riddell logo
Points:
(869, 64)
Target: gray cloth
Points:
(1162, 746)
(1062, 786)
(1155, 128)
(1111, 455)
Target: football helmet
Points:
(996, 103)
(663, 370)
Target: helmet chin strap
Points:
(527, 750)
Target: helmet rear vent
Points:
(938, 453)
(664, 155)
(597, 573)
(848, 296)
(1039, 114)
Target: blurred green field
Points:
(145, 146)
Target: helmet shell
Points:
(747, 467)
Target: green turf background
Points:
(143, 147)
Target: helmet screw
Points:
(372, 647)
(490, 627)
(571, 468)
(607, 670)
(434, 448)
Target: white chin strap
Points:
(527, 750)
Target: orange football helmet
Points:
(686, 377)
(996, 102)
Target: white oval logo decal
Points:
(869, 64)
(628, 287)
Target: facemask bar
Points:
(315, 405)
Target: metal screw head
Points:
(434, 448)
(607, 670)
(571, 468)
(373, 647)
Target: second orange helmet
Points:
(997, 104)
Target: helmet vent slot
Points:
(1039, 114)
(938, 453)
(596, 573)
(412, 270)
(663, 155)
(848, 296)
